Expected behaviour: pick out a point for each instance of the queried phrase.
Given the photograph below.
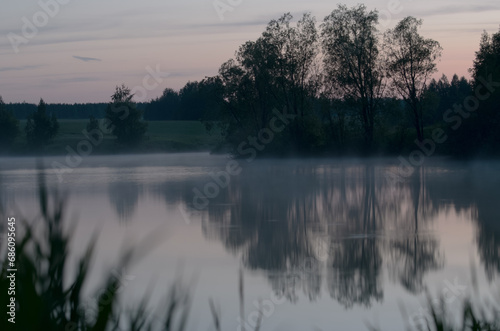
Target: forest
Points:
(347, 88)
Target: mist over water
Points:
(333, 242)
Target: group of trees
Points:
(348, 87)
(40, 127)
(195, 101)
(352, 88)
(338, 79)
(480, 127)
(123, 120)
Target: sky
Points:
(74, 51)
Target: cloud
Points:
(76, 80)
(86, 59)
(448, 10)
(30, 67)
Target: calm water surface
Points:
(325, 244)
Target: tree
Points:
(191, 105)
(40, 127)
(487, 61)
(352, 62)
(9, 127)
(294, 50)
(295, 73)
(479, 134)
(164, 108)
(277, 71)
(125, 120)
(441, 95)
(411, 61)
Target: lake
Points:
(324, 244)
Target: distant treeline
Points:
(63, 111)
(195, 101)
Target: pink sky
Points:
(87, 48)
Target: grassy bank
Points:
(161, 136)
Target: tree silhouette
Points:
(124, 197)
(125, 120)
(411, 60)
(277, 71)
(40, 128)
(352, 61)
(164, 108)
(480, 133)
(9, 127)
(413, 253)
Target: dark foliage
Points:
(40, 127)
(9, 127)
(125, 120)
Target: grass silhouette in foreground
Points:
(47, 300)
(473, 318)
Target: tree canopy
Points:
(352, 62)
(9, 127)
(125, 120)
(411, 61)
(40, 127)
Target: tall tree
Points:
(9, 127)
(411, 61)
(295, 73)
(40, 127)
(295, 51)
(487, 61)
(352, 62)
(480, 133)
(277, 71)
(125, 119)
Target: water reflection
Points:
(414, 253)
(327, 227)
(475, 191)
(355, 259)
(124, 197)
(274, 215)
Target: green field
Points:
(161, 136)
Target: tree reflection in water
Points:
(343, 223)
